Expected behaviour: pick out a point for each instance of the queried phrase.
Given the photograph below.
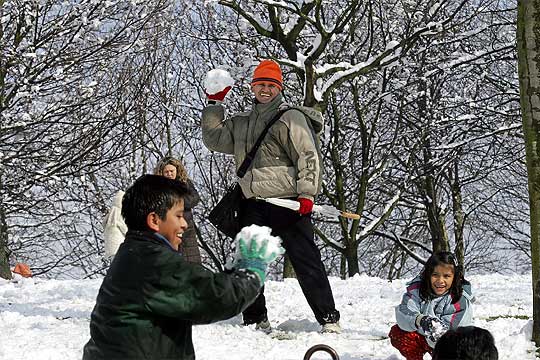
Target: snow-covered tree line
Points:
(420, 99)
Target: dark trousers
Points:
(296, 233)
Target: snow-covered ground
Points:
(48, 319)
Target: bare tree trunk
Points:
(435, 217)
(393, 266)
(457, 209)
(428, 185)
(528, 43)
(352, 260)
(342, 267)
(5, 272)
(288, 270)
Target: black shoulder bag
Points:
(225, 216)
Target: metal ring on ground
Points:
(321, 347)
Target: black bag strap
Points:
(251, 154)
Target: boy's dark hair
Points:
(150, 193)
(442, 258)
(466, 343)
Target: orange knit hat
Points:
(268, 71)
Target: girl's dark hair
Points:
(442, 258)
(150, 193)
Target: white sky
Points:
(49, 319)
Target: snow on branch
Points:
(343, 71)
(503, 129)
(11, 127)
(471, 58)
(292, 6)
(260, 26)
(401, 242)
(329, 241)
(374, 224)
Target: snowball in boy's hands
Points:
(217, 84)
(255, 249)
(256, 242)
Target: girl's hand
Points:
(433, 327)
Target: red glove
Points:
(220, 95)
(306, 206)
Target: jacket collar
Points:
(145, 235)
(163, 239)
(270, 107)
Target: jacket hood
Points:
(467, 290)
(314, 116)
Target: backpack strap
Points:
(251, 154)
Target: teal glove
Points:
(255, 249)
(252, 258)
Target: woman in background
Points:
(115, 228)
(173, 168)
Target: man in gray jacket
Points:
(286, 165)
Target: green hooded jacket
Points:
(288, 163)
(151, 297)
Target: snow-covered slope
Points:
(48, 319)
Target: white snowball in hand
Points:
(438, 329)
(217, 80)
(259, 234)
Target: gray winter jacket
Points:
(287, 164)
(453, 315)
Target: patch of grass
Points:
(520, 317)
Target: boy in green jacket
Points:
(151, 296)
